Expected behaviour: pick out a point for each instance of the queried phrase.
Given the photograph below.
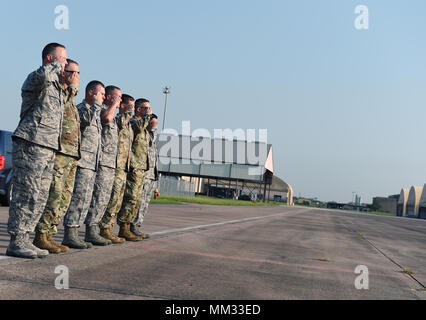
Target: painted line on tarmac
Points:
(164, 232)
(4, 257)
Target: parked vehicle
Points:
(244, 197)
(5, 166)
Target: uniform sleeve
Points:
(146, 119)
(139, 125)
(42, 77)
(74, 90)
(123, 119)
(88, 114)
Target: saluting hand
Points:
(72, 78)
(116, 100)
(99, 96)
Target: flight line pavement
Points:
(199, 252)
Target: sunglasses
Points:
(72, 71)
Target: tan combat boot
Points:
(40, 241)
(107, 234)
(61, 247)
(127, 234)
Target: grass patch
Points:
(210, 201)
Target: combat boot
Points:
(61, 247)
(41, 253)
(72, 240)
(138, 232)
(93, 236)
(107, 234)
(40, 241)
(135, 230)
(127, 234)
(19, 248)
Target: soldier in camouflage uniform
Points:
(65, 165)
(35, 143)
(151, 179)
(106, 171)
(90, 127)
(138, 166)
(125, 139)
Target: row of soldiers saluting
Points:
(83, 164)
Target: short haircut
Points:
(50, 48)
(125, 99)
(139, 103)
(70, 61)
(93, 84)
(110, 90)
(154, 116)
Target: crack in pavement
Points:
(385, 255)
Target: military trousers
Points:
(101, 195)
(109, 218)
(132, 195)
(149, 187)
(60, 194)
(31, 179)
(81, 197)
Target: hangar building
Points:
(230, 167)
(414, 201)
(402, 203)
(422, 204)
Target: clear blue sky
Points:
(344, 108)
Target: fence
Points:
(173, 186)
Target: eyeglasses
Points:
(72, 71)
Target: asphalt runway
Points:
(236, 253)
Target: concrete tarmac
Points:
(235, 253)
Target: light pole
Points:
(166, 91)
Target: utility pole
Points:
(166, 91)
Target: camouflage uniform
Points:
(65, 167)
(91, 128)
(35, 142)
(125, 139)
(151, 179)
(138, 166)
(106, 173)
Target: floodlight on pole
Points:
(166, 91)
